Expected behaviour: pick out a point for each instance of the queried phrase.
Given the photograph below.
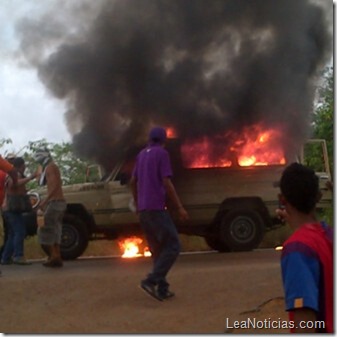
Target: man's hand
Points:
(39, 212)
(183, 215)
(301, 316)
(282, 214)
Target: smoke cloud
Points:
(202, 67)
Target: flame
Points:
(171, 132)
(264, 149)
(197, 155)
(279, 248)
(255, 146)
(147, 251)
(130, 247)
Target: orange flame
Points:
(197, 155)
(131, 246)
(147, 251)
(263, 149)
(254, 147)
(171, 132)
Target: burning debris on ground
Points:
(212, 71)
(133, 247)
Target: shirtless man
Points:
(53, 207)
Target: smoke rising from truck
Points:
(201, 67)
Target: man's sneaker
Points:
(150, 289)
(166, 295)
(53, 263)
(7, 262)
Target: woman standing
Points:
(16, 203)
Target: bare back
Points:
(54, 182)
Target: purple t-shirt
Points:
(152, 166)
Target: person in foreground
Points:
(3, 178)
(7, 167)
(151, 184)
(307, 255)
(16, 203)
(53, 206)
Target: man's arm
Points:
(300, 273)
(173, 196)
(133, 185)
(20, 181)
(300, 317)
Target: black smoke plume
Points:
(202, 67)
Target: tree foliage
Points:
(324, 115)
(73, 169)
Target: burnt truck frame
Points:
(231, 207)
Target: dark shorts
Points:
(51, 232)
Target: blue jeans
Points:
(16, 235)
(162, 237)
(5, 232)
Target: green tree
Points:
(323, 124)
(73, 169)
(323, 121)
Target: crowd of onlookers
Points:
(15, 202)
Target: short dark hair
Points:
(300, 186)
(18, 162)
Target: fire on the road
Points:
(131, 247)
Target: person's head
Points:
(19, 164)
(10, 157)
(42, 156)
(157, 135)
(300, 188)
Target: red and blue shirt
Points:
(307, 271)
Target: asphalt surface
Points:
(101, 295)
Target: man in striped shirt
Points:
(307, 256)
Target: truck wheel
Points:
(242, 230)
(74, 239)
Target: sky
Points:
(28, 112)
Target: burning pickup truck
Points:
(231, 203)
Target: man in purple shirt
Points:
(151, 184)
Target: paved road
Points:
(101, 295)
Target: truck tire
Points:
(242, 229)
(74, 239)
